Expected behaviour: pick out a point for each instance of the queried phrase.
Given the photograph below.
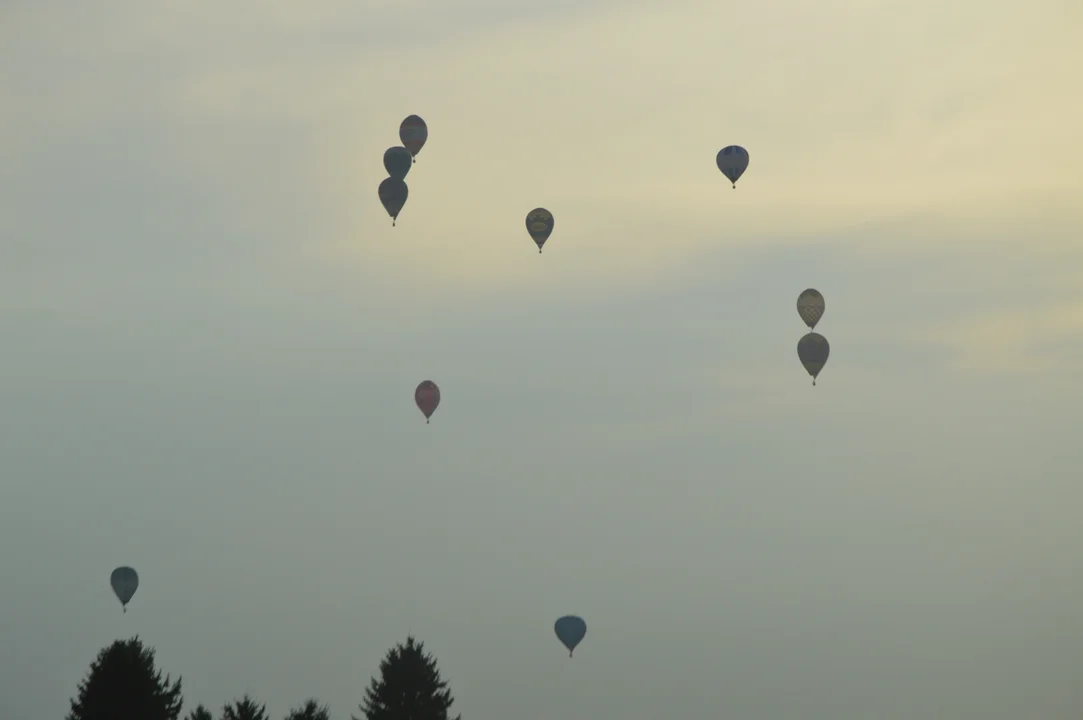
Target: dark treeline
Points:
(124, 684)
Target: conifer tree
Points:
(244, 709)
(199, 713)
(311, 710)
(123, 683)
(409, 688)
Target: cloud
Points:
(1034, 341)
(273, 119)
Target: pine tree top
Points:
(199, 712)
(124, 683)
(409, 687)
(244, 709)
(311, 710)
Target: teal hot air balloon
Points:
(570, 630)
(397, 162)
(732, 160)
(125, 582)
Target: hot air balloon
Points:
(732, 161)
(413, 132)
(810, 306)
(397, 162)
(393, 194)
(813, 349)
(427, 397)
(125, 582)
(539, 223)
(570, 630)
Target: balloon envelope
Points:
(125, 582)
(413, 132)
(813, 350)
(732, 161)
(539, 223)
(570, 630)
(393, 194)
(427, 397)
(397, 162)
(810, 306)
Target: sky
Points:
(212, 334)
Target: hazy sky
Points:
(211, 335)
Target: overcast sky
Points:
(210, 335)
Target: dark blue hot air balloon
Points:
(570, 630)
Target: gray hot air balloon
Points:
(413, 132)
(125, 582)
(397, 162)
(393, 194)
(732, 161)
(570, 630)
(812, 350)
(539, 223)
(810, 306)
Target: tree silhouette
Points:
(200, 713)
(409, 687)
(244, 709)
(123, 683)
(311, 710)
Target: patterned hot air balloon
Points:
(732, 161)
(539, 223)
(810, 306)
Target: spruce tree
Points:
(199, 713)
(311, 710)
(244, 709)
(123, 683)
(409, 688)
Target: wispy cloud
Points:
(281, 118)
(1031, 342)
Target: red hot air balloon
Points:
(427, 397)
